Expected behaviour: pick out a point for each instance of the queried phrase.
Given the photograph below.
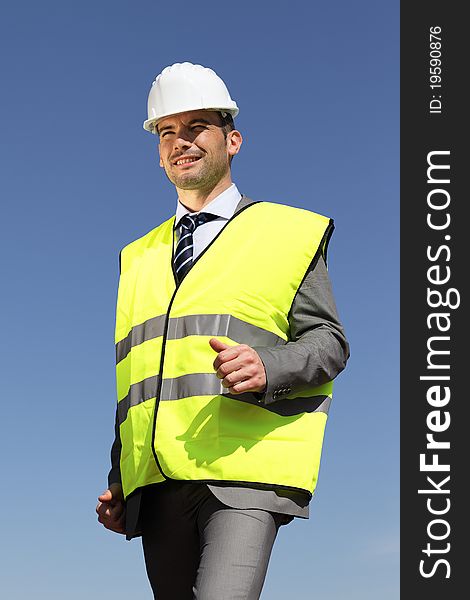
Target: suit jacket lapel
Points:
(244, 201)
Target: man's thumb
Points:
(105, 496)
(217, 345)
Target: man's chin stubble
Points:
(196, 182)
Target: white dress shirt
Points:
(223, 206)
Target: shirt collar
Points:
(223, 205)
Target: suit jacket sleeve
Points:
(114, 475)
(317, 349)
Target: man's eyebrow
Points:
(164, 128)
(200, 120)
(192, 122)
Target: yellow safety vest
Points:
(176, 419)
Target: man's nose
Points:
(182, 141)
(184, 137)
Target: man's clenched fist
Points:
(240, 367)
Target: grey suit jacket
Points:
(316, 352)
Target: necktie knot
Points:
(190, 222)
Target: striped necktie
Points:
(184, 249)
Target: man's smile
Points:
(185, 160)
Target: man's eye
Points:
(165, 133)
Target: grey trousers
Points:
(195, 547)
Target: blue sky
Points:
(317, 86)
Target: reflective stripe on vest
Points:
(212, 325)
(208, 384)
(240, 289)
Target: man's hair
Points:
(227, 123)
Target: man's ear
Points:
(234, 142)
(160, 157)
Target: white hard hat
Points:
(184, 86)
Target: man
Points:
(227, 342)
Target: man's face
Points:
(194, 151)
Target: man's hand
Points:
(239, 367)
(111, 509)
